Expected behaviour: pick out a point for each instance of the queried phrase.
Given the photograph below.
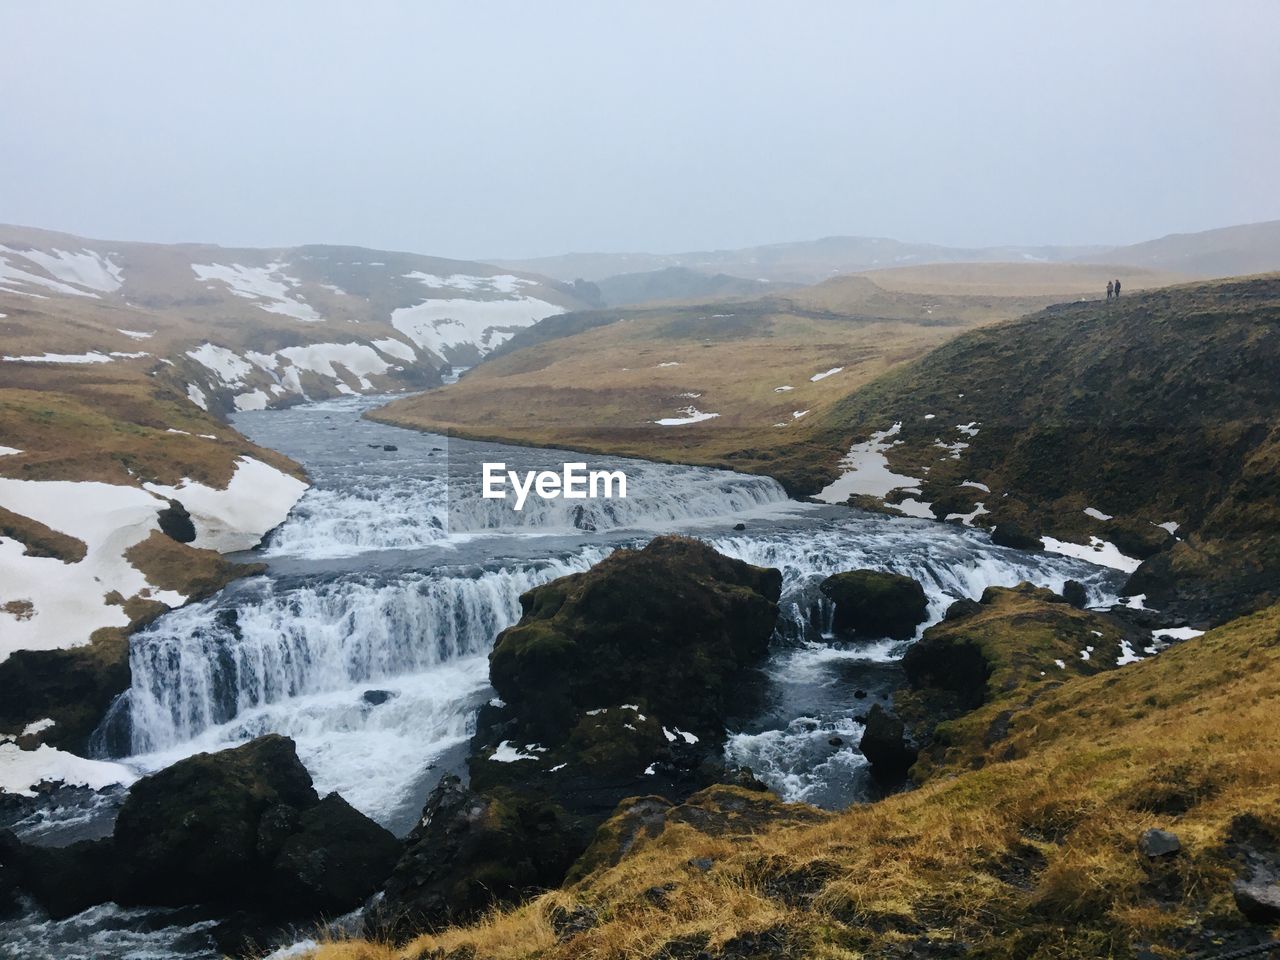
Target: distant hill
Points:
(246, 328)
(1226, 252)
(808, 261)
(1229, 251)
(677, 283)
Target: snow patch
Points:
(224, 363)
(21, 771)
(257, 500)
(1098, 551)
(93, 357)
(867, 471)
(441, 325)
(689, 415)
(828, 373)
(68, 598)
(268, 286)
(1097, 514)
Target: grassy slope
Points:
(1033, 854)
(1160, 408)
(600, 387)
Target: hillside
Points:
(737, 383)
(991, 856)
(676, 283)
(246, 328)
(1228, 251)
(806, 261)
(121, 485)
(1149, 424)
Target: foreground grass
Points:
(1031, 854)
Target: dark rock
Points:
(739, 526)
(964, 607)
(1074, 592)
(334, 860)
(1158, 843)
(670, 627)
(1258, 897)
(190, 831)
(72, 687)
(875, 603)
(67, 880)
(390, 447)
(859, 694)
(1010, 533)
(885, 745)
(469, 852)
(567, 924)
(1138, 538)
(377, 697)
(10, 873)
(240, 829)
(702, 864)
(945, 662)
(175, 522)
(836, 742)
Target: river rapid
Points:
(366, 639)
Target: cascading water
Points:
(366, 640)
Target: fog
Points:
(517, 129)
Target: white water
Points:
(367, 639)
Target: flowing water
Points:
(366, 639)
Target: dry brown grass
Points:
(603, 389)
(1030, 857)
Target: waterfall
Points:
(376, 665)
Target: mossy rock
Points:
(873, 603)
(669, 628)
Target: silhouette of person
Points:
(1110, 289)
(1117, 289)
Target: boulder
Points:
(333, 860)
(1074, 592)
(1010, 533)
(468, 852)
(175, 522)
(885, 745)
(1258, 897)
(669, 628)
(1155, 843)
(190, 832)
(242, 829)
(874, 603)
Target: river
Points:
(366, 639)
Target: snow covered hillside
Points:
(244, 329)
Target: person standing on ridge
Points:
(1110, 287)
(1117, 289)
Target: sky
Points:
(488, 128)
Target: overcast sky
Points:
(485, 129)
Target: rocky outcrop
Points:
(980, 653)
(242, 829)
(72, 687)
(873, 603)
(616, 682)
(667, 627)
(886, 746)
